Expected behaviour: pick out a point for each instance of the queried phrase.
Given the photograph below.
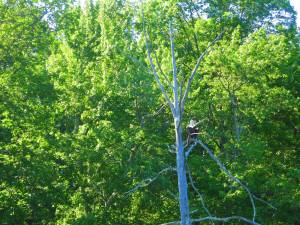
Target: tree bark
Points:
(181, 173)
(236, 126)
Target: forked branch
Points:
(161, 86)
(190, 149)
(193, 73)
(157, 79)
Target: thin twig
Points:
(158, 80)
(135, 60)
(199, 60)
(110, 198)
(148, 181)
(198, 193)
(174, 67)
(157, 112)
(172, 149)
(199, 122)
(265, 202)
(161, 71)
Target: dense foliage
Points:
(82, 120)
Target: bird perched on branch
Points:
(192, 131)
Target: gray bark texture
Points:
(182, 178)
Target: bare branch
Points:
(181, 88)
(161, 71)
(199, 122)
(198, 193)
(157, 112)
(175, 196)
(199, 60)
(228, 173)
(175, 82)
(109, 200)
(158, 80)
(226, 219)
(217, 219)
(190, 149)
(148, 181)
(135, 60)
(154, 69)
(265, 202)
(171, 223)
(172, 149)
(223, 168)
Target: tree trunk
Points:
(181, 173)
(234, 108)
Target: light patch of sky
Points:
(82, 3)
(296, 5)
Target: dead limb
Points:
(190, 149)
(160, 69)
(233, 178)
(157, 112)
(198, 193)
(172, 149)
(199, 60)
(216, 219)
(225, 219)
(110, 198)
(148, 181)
(265, 202)
(158, 80)
(153, 68)
(174, 67)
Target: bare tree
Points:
(176, 103)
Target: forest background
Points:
(82, 121)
